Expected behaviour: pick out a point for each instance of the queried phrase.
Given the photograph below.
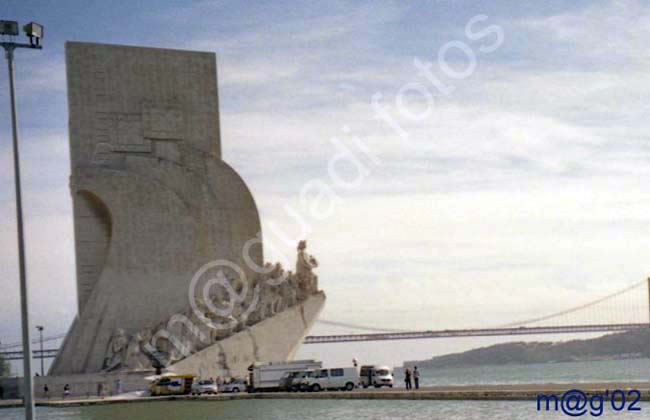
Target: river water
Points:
(631, 370)
(312, 409)
(611, 371)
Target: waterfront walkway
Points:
(466, 392)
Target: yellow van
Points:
(172, 385)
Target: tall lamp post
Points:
(40, 329)
(8, 32)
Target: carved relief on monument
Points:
(184, 333)
(123, 131)
(118, 133)
(156, 129)
(162, 121)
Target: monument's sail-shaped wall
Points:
(153, 203)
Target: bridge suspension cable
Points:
(358, 327)
(511, 324)
(575, 308)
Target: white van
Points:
(383, 376)
(377, 376)
(335, 378)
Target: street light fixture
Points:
(9, 28)
(34, 32)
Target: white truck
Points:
(266, 376)
(335, 378)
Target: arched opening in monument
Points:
(93, 229)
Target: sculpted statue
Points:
(276, 274)
(136, 354)
(116, 352)
(305, 263)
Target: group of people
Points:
(414, 375)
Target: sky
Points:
(504, 181)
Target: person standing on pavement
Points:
(416, 377)
(407, 378)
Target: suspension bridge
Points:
(623, 310)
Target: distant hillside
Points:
(625, 345)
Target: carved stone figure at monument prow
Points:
(305, 265)
(153, 202)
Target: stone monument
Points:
(153, 203)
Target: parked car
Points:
(236, 385)
(206, 386)
(335, 378)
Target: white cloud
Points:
(608, 31)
